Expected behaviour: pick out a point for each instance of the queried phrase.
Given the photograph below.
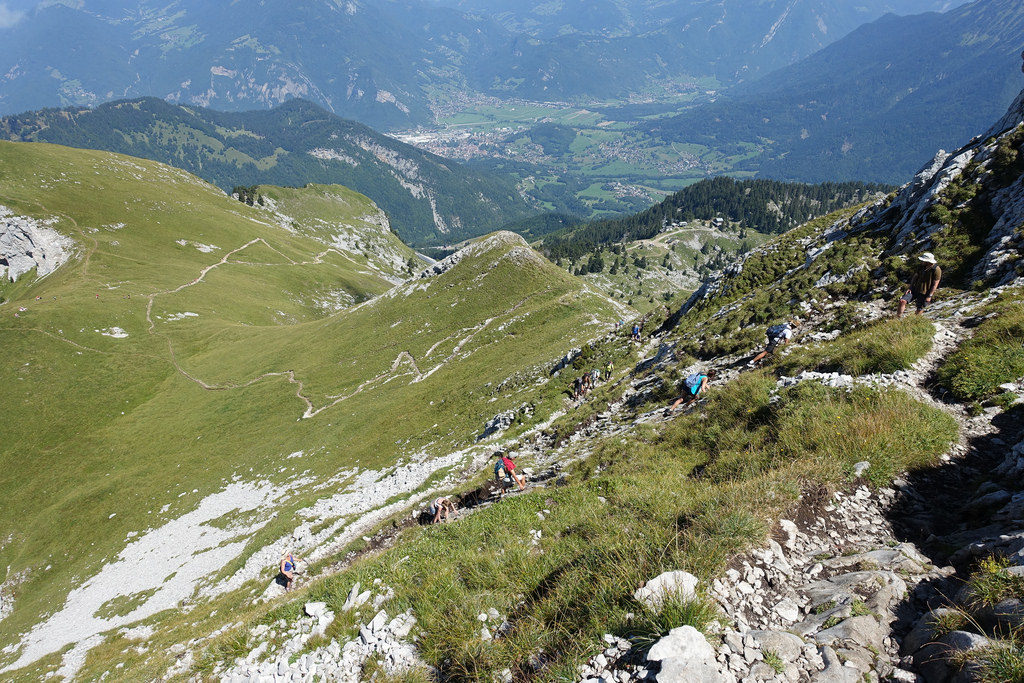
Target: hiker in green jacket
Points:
(922, 285)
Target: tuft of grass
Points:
(832, 621)
(860, 609)
(698, 612)
(772, 659)
(1002, 662)
(990, 583)
(947, 622)
(883, 346)
(824, 607)
(993, 356)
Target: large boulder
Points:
(685, 657)
(861, 631)
(786, 645)
(924, 631)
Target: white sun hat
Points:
(927, 257)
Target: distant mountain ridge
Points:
(385, 62)
(876, 104)
(428, 199)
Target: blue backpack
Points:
(776, 331)
(693, 381)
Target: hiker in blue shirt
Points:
(693, 386)
(289, 565)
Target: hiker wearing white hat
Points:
(922, 285)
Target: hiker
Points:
(636, 332)
(441, 508)
(777, 335)
(693, 386)
(608, 370)
(922, 285)
(289, 566)
(504, 467)
(595, 376)
(577, 388)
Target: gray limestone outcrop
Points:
(27, 244)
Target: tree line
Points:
(768, 206)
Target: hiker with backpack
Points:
(441, 509)
(608, 370)
(922, 285)
(693, 386)
(636, 332)
(778, 335)
(505, 467)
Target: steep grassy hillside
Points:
(203, 369)
(428, 199)
(540, 584)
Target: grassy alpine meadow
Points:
(688, 495)
(882, 346)
(198, 356)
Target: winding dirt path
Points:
(403, 358)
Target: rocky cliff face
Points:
(982, 183)
(27, 244)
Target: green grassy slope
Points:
(107, 437)
(428, 199)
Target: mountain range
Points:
(398, 57)
(427, 199)
(875, 104)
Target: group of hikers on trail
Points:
(586, 382)
(920, 291)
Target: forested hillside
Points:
(428, 199)
(766, 206)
